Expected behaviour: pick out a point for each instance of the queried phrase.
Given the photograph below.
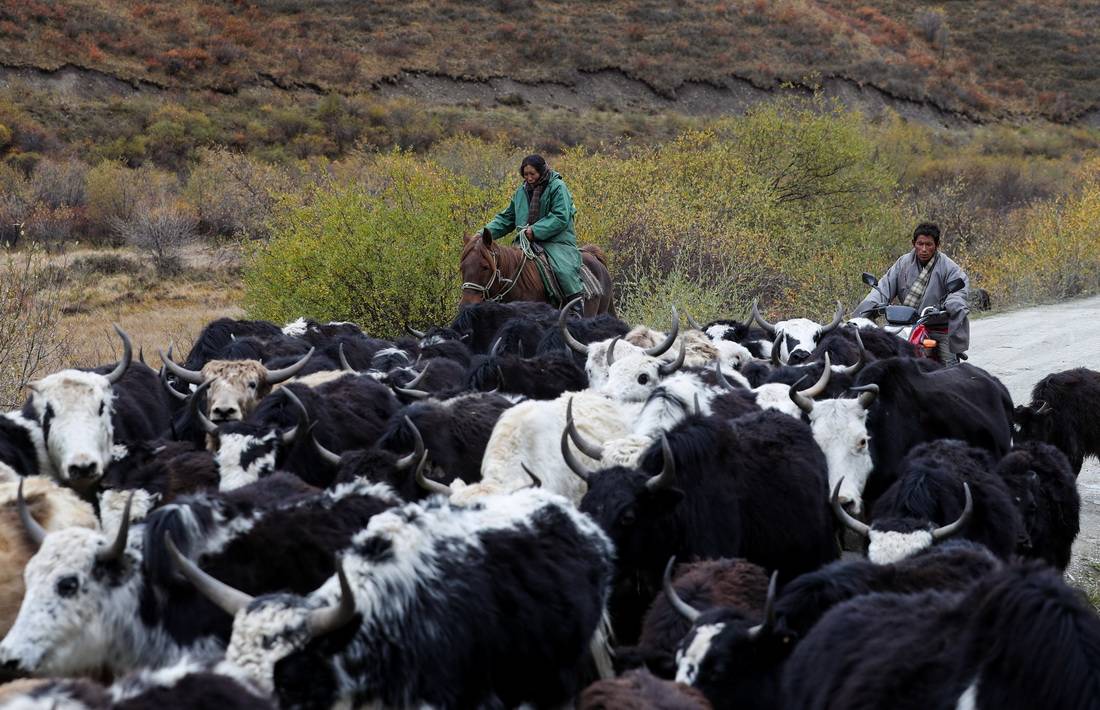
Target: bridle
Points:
(497, 276)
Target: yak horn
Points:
(495, 348)
(327, 455)
(867, 396)
(410, 390)
(193, 376)
(127, 355)
(1044, 408)
(777, 346)
(344, 364)
(611, 350)
(426, 483)
(769, 609)
(406, 462)
(720, 378)
(804, 403)
(837, 317)
(274, 377)
(588, 448)
(667, 476)
(692, 322)
(667, 369)
(948, 530)
(226, 598)
(414, 332)
(303, 417)
(163, 376)
(662, 348)
(118, 547)
(208, 426)
(682, 607)
(844, 516)
(818, 388)
(35, 532)
(537, 481)
(574, 344)
(571, 460)
(852, 370)
(329, 619)
(768, 327)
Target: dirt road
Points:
(1021, 348)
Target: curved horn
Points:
(426, 483)
(698, 409)
(844, 516)
(720, 378)
(118, 547)
(804, 403)
(777, 345)
(590, 449)
(329, 619)
(537, 481)
(274, 377)
(662, 348)
(667, 476)
(162, 375)
(127, 355)
(412, 394)
(326, 455)
(303, 417)
(226, 598)
(414, 332)
(692, 322)
(196, 411)
(867, 396)
(948, 530)
(193, 376)
(768, 327)
(495, 348)
(818, 387)
(415, 382)
(574, 344)
(666, 369)
(1044, 408)
(837, 317)
(571, 461)
(406, 462)
(682, 607)
(611, 350)
(769, 609)
(344, 364)
(852, 370)
(141, 354)
(35, 532)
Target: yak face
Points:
(631, 511)
(236, 387)
(246, 454)
(632, 378)
(74, 410)
(1034, 423)
(63, 626)
(840, 429)
(799, 338)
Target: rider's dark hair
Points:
(927, 229)
(535, 161)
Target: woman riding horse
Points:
(542, 212)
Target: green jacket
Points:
(553, 232)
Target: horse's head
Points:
(479, 268)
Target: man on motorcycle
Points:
(919, 279)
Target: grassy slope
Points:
(986, 57)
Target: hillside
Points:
(984, 59)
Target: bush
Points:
(105, 264)
(233, 195)
(59, 183)
(381, 252)
(30, 304)
(114, 193)
(161, 228)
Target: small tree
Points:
(30, 305)
(161, 228)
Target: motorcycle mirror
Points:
(955, 285)
(869, 279)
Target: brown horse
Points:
(495, 272)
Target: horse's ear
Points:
(487, 238)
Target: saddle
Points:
(550, 279)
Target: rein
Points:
(511, 283)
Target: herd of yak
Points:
(527, 508)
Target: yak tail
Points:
(600, 647)
(596, 252)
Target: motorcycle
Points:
(925, 328)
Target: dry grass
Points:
(153, 311)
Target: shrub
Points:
(381, 252)
(233, 195)
(59, 183)
(30, 304)
(114, 192)
(161, 228)
(105, 264)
